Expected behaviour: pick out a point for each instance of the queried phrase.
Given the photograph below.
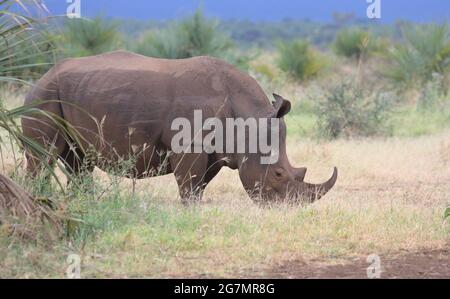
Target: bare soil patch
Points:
(422, 264)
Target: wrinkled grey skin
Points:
(123, 105)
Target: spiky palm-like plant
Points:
(194, 36)
(425, 52)
(20, 55)
(354, 43)
(24, 54)
(17, 33)
(85, 37)
(299, 60)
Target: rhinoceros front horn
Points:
(312, 192)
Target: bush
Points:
(434, 94)
(426, 51)
(83, 37)
(349, 109)
(299, 60)
(194, 36)
(354, 43)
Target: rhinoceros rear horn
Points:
(299, 173)
(314, 192)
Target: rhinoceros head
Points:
(280, 181)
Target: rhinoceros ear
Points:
(282, 106)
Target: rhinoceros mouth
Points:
(295, 193)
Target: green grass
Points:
(301, 125)
(404, 121)
(302, 121)
(410, 122)
(151, 234)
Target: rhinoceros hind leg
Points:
(36, 164)
(77, 165)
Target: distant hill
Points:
(260, 10)
(266, 34)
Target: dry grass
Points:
(390, 196)
(21, 215)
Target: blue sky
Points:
(318, 10)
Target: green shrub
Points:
(425, 51)
(194, 36)
(434, 94)
(354, 43)
(299, 60)
(82, 37)
(350, 109)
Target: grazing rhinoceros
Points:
(124, 105)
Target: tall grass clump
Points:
(349, 109)
(424, 52)
(20, 212)
(194, 36)
(85, 37)
(16, 20)
(355, 43)
(300, 60)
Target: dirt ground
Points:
(424, 264)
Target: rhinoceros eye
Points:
(279, 172)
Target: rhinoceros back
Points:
(109, 96)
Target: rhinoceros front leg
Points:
(189, 171)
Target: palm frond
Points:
(425, 51)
